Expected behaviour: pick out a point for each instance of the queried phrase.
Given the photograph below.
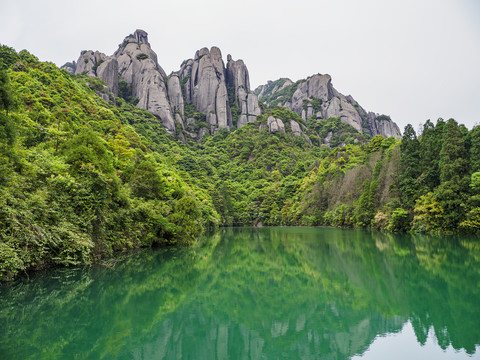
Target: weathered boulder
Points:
(275, 125)
(97, 64)
(296, 130)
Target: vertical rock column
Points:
(239, 82)
(138, 66)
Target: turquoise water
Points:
(268, 293)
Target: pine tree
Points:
(474, 136)
(454, 189)
(430, 146)
(410, 169)
(453, 156)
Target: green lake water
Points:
(248, 293)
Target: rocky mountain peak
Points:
(218, 95)
(141, 37)
(237, 75)
(315, 97)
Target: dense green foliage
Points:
(80, 178)
(77, 181)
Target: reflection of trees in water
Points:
(249, 294)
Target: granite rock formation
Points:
(138, 66)
(211, 86)
(316, 96)
(206, 95)
(97, 64)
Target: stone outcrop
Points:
(220, 94)
(138, 66)
(272, 87)
(207, 84)
(205, 87)
(316, 96)
(239, 82)
(69, 67)
(98, 64)
(175, 94)
(275, 125)
(203, 81)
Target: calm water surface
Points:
(270, 293)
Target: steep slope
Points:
(77, 182)
(316, 97)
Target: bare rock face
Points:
(239, 82)
(175, 94)
(185, 75)
(316, 96)
(108, 72)
(203, 81)
(69, 67)
(237, 75)
(205, 86)
(316, 87)
(296, 130)
(272, 87)
(138, 66)
(97, 64)
(383, 125)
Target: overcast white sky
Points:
(411, 59)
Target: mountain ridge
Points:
(219, 91)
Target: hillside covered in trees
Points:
(81, 177)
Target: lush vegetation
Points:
(81, 178)
(77, 181)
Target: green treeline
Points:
(81, 178)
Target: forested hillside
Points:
(76, 180)
(81, 178)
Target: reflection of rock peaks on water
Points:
(267, 293)
(216, 339)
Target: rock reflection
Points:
(270, 293)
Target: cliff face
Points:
(97, 64)
(138, 66)
(211, 86)
(220, 94)
(204, 82)
(205, 87)
(316, 96)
